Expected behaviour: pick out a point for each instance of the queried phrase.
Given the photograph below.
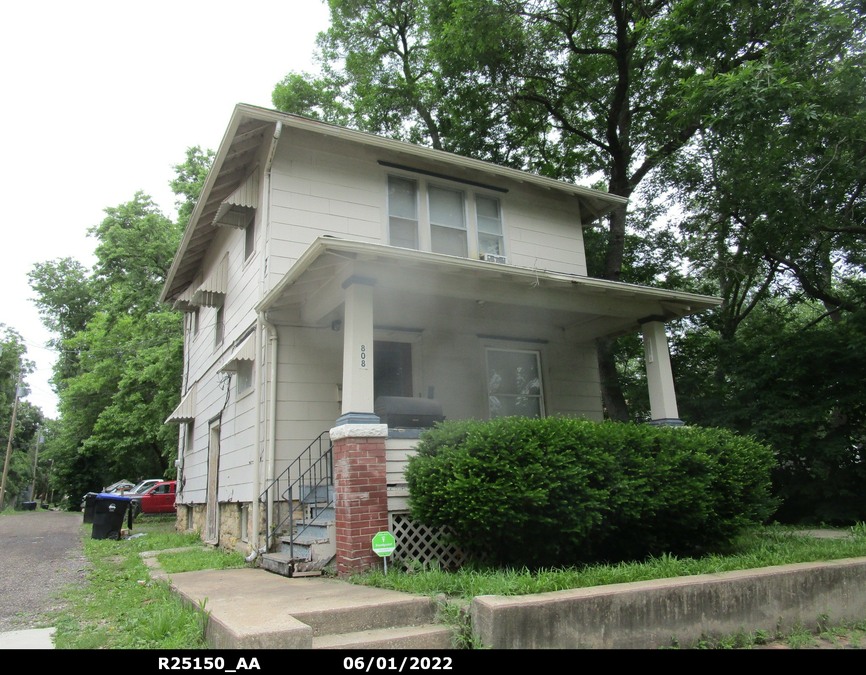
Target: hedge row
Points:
(560, 491)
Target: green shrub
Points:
(559, 491)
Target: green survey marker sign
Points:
(384, 544)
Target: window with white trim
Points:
(514, 383)
(402, 212)
(219, 328)
(250, 239)
(447, 221)
(462, 223)
(245, 375)
(489, 219)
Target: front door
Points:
(212, 535)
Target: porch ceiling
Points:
(411, 285)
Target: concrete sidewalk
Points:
(35, 638)
(252, 608)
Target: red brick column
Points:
(360, 494)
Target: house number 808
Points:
(364, 356)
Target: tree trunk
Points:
(611, 392)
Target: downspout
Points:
(270, 463)
(266, 222)
(257, 483)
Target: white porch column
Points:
(663, 398)
(358, 353)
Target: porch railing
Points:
(309, 479)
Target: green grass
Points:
(120, 607)
(797, 637)
(763, 547)
(192, 561)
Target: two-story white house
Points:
(325, 270)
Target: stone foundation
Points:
(230, 529)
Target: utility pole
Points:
(35, 464)
(9, 444)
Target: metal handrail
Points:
(314, 470)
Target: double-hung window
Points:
(424, 215)
(402, 212)
(219, 331)
(250, 239)
(447, 221)
(489, 221)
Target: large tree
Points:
(28, 418)
(120, 350)
(568, 88)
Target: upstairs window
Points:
(402, 212)
(489, 221)
(447, 222)
(219, 333)
(427, 215)
(250, 239)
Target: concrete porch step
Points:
(251, 609)
(385, 614)
(427, 636)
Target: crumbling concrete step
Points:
(278, 563)
(428, 636)
(399, 611)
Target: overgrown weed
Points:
(120, 607)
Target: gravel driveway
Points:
(40, 554)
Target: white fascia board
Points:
(439, 156)
(209, 181)
(324, 245)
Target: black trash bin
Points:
(108, 516)
(89, 505)
(28, 506)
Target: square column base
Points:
(360, 499)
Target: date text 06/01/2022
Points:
(365, 664)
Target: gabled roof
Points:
(251, 126)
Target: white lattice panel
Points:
(417, 542)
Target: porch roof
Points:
(315, 285)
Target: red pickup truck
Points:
(160, 498)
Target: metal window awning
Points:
(184, 301)
(185, 412)
(238, 208)
(212, 291)
(246, 351)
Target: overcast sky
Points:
(100, 99)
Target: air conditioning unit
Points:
(489, 257)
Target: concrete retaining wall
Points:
(649, 614)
